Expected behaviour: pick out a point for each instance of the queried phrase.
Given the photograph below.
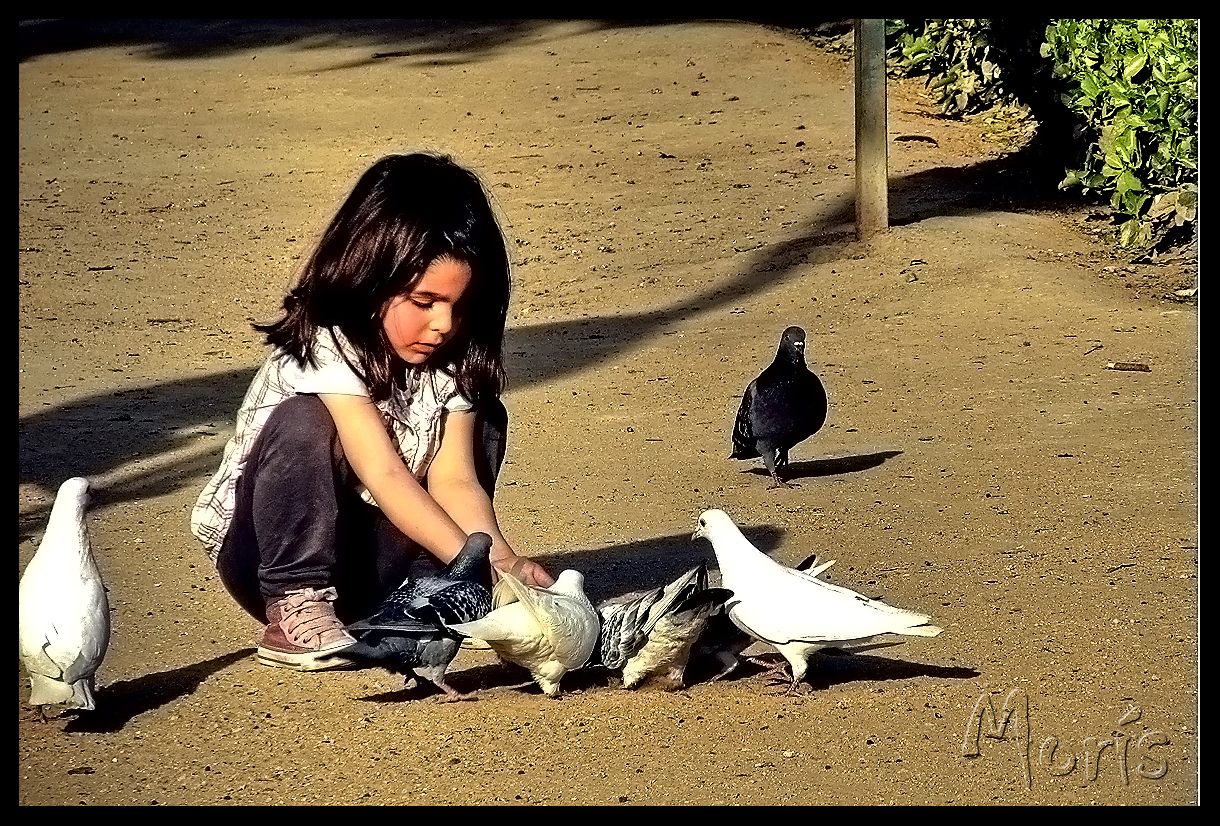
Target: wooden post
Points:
(872, 159)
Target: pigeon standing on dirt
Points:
(409, 632)
(655, 632)
(549, 631)
(785, 405)
(724, 642)
(793, 610)
(63, 614)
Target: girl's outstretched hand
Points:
(525, 570)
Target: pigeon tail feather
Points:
(46, 691)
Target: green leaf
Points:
(1071, 179)
(1134, 66)
(1127, 182)
(1129, 232)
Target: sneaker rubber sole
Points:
(312, 661)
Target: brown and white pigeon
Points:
(63, 614)
(784, 406)
(794, 611)
(654, 632)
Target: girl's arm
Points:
(455, 505)
(454, 485)
(368, 449)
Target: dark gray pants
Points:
(300, 522)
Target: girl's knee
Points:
(302, 418)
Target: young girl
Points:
(374, 429)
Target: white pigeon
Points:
(724, 642)
(549, 631)
(63, 614)
(793, 610)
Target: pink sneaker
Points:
(303, 632)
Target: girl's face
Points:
(421, 320)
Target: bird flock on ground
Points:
(64, 615)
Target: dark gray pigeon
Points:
(409, 632)
(781, 408)
(655, 632)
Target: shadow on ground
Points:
(816, 468)
(138, 443)
(827, 669)
(615, 570)
(122, 701)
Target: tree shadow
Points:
(120, 702)
(135, 443)
(838, 466)
(627, 567)
(1021, 181)
(1025, 180)
(543, 353)
(423, 41)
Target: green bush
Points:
(1134, 86)
(963, 75)
(1126, 91)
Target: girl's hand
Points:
(525, 570)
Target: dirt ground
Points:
(678, 194)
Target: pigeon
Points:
(549, 631)
(408, 634)
(63, 613)
(655, 632)
(724, 642)
(793, 610)
(784, 406)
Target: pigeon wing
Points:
(504, 628)
(566, 625)
(795, 608)
(622, 627)
(743, 428)
(675, 593)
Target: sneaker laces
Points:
(306, 615)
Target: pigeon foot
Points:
(797, 687)
(451, 695)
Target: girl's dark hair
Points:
(404, 213)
